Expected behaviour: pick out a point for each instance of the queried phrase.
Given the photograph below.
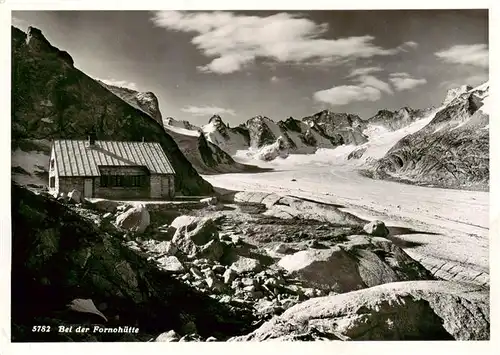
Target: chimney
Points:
(142, 139)
(90, 143)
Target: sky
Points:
(278, 64)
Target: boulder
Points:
(244, 264)
(412, 310)
(135, 219)
(85, 306)
(168, 336)
(198, 238)
(183, 221)
(199, 230)
(229, 276)
(75, 196)
(170, 263)
(376, 228)
(355, 264)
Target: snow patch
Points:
(486, 108)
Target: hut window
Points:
(104, 180)
(52, 182)
(122, 180)
(137, 180)
(52, 163)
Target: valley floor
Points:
(446, 230)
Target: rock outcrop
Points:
(144, 101)
(53, 99)
(451, 151)
(414, 310)
(359, 262)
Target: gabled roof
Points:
(73, 158)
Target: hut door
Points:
(87, 188)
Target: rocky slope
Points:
(70, 268)
(53, 99)
(452, 150)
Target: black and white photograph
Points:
(249, 175)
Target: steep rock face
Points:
(394, 120)
(260, 131)
(144, 101)
(451, 151)
(59, 256)
(52, 99)
(412, 310)
(348, 126)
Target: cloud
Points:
(404, 81)
(408, 44)
(120, 83)
(207, 110)
(369, 88)
(364, 71)
(342, 95)
(474, 54)
(371, 81)
(234, 41)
